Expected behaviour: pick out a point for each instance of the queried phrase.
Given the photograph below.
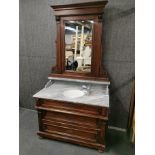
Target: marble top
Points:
(98, 94)
(79, 80)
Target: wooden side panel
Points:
(58, 47)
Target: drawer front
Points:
(73, 132)
(73, 107)
(74, 121)
(85, 128)
(71, 119)
(70, 125)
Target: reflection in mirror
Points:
(78, 45)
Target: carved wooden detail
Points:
(82, 11)
(76, 123)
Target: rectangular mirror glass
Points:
(78, 45)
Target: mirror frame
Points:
(75, 18)
(81, 11)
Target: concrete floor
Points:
(31, 144)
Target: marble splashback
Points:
(79, 80)
(98, 94)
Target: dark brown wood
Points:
(80, 8)
(77, 123)
(58, 47)
(67, 138)
(81, 11)
(76, 120)
(68, 106)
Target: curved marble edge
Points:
(78, 80)
(98, 94)
(76, 102)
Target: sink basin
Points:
(73, 93)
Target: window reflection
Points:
(78, 45)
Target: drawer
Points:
(71, 139)
(73, 107)
(70, 125)
(70, 119)
(72, 132)
(77, 128)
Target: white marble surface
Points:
(98, 94)
(79, 80)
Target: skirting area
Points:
(31, 144)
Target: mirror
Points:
(78, 45)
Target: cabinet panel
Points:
(71, 124)
(74, 107)
(71, 139)
(76, 133)
(71, 119)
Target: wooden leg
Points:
(40, 137)
(100, 150)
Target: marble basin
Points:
(74, 93)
